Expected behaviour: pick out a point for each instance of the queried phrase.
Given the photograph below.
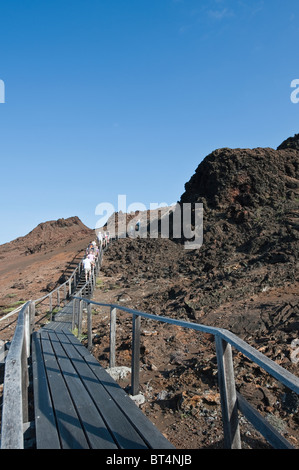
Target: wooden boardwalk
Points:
(77, 404)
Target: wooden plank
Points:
(45, 423)
(71, 434)
(95, 429)
(117, 422)
(153, 438)
(58, 326)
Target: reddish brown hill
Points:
(54, 233)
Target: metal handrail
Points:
(231, 400)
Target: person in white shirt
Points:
(87, 268)
(91, 258)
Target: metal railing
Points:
(231, 400)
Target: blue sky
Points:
(112, 97)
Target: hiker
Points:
(91, 258)
(87, 268)
(100, 238)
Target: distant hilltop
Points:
(290, 143)
(245, 179)
(250, 199)
(51, 234)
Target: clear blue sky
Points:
(109, 97)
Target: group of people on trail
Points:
(104, 238)
(92, 252)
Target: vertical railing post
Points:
(135, 354)
(25, 379)
(92, 281)
(74, 313)
(27, 331)
(75, 278)
(32, 316)
(228, 394)
(25, 353)
(58, 298)
(112, 336)
(50, 304)
(89, 327)
(80, 318)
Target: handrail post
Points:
(80, 318)
(89, 327)
(112, 337)
(92, 284)
(32, 316)
(228, 394)
(25, 378)
(27, 330)
(50, 305)
(74, 313)
(135, 354)
(75, 278)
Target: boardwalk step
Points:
(78, 404)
